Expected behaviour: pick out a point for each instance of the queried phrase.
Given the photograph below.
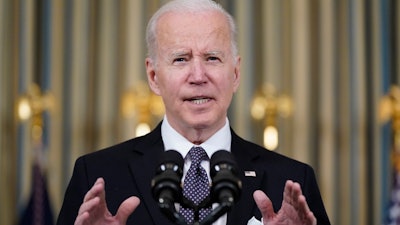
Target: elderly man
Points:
(193, 64)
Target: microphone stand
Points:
(225, 190)
(168, 208)
(172, 214)
(222, 208)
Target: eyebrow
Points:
(180, 54)
(213, 53)
(188, 53)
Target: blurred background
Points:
(318, 84)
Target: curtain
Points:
(333, 59)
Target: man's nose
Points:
(198, 72)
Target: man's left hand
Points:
(294, 209)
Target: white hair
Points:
(186, 6)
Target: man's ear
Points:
(151, 76)
(236, 78)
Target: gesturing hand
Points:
(94, 211)
(294, 209)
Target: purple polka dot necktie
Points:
(196, 185)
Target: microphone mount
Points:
(225, 188)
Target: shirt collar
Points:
(221, 140)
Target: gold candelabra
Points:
(266, 106)
(31, 105)
(30, 108)
(140, 102)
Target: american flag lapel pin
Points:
(250, 173)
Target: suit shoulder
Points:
(266, 156)
(135, 145)
(110, 151)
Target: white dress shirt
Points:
(221, 140)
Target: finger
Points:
(295, 194)
(311, 219)
(126, 209)
(264, 204)
(96, 190)
(304, 210)
(300, 204)
(94, 200)
(287, 192)
(291, 193)
(89, 205)
(81, 219)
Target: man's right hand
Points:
(94, 211)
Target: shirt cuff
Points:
(254, 221)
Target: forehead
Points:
(188, 29)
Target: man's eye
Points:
(179, 60)
(213, 58)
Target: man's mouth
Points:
(199, 101)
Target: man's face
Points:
(195, 71)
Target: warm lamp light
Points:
(24, 109)
(142, 129)
(271, 139)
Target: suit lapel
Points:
(251, 177)
(143, 168)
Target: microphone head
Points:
(226, 186)
(222, 156)
(166, 185)
(170, 157)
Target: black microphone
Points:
(226, 186)
(166, 185)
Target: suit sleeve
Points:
(76, 190)
(314, 199)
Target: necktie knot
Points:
(197, 154)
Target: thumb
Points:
(264, 204)
(126, 208)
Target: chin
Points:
(201, 120)
(199, 126)
(201, 123)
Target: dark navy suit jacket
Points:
(128, 168)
